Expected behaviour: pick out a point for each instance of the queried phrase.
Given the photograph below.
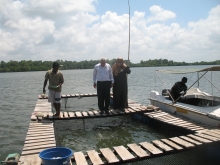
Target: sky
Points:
(76, 30)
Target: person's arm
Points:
(61, 80)
(111, 76)
(128, 70)
(94, 77)
(45, 84)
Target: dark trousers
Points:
(103, 92)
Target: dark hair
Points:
(184, 79)
(55, 64)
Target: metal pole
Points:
(129, 36)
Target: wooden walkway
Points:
(41, 136)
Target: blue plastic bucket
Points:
(56, 156)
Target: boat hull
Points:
(182, 110)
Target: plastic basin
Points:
(56, 156)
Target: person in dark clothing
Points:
(120, 87)
(179, 87)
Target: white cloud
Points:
(50, 30)
(159, 14)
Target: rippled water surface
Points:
(19, 92)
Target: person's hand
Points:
(94, 85)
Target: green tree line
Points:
(23, 66)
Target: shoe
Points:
(107, 112)
(101, 112)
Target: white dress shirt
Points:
(102, 73)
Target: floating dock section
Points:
(41, 135)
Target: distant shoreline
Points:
(25, 66)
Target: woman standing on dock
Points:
(120, 87)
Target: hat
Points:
(55, 64)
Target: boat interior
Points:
(195, 97)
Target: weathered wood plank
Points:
(94, 157)
(80, 158)
(39, 137)
(38, 140)
(190, 140)
(85, 114)
(65, 114)
(199, 139)
(71, 114)
(109, 155)
(27, 148)
(40, 143)
(123, 153)
(162, 145)
(138, 150)
(150, 147)
(78, 114)
(30, 160)
(170, 143)
(182, 142)
(211, 138)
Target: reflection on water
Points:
(19, 92)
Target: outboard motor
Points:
(165, 93)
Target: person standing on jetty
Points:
(120, 88)
(56, 80)
(103, 81)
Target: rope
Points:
(164, 86)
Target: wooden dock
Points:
(41, 135)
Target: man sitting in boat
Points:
(178, 88)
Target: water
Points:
(19, 93)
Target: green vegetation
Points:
(22, 66)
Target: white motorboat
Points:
(195, 104)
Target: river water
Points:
(19, 94)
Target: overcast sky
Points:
(76, 30)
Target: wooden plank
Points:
(170, 143)
(30, 160)
(109, 155)
(85, 114)
(182, 142)
(90, 113)
(94, 157)
(96, 113)
(123, 153)
(150, 147)
(162, 145)
(211, 138)
(80, 158)
(40, 143)
(38, 140)
(78, 114)
(199, 139)
(71, 114)
(65, 114)
(61, 115)
(138, 150)
(26, 148)
(190, 140)
(210, 133)
(39, 129)
(30, 152)
(39, 137)
(40, 134)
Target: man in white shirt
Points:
(103, 81)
